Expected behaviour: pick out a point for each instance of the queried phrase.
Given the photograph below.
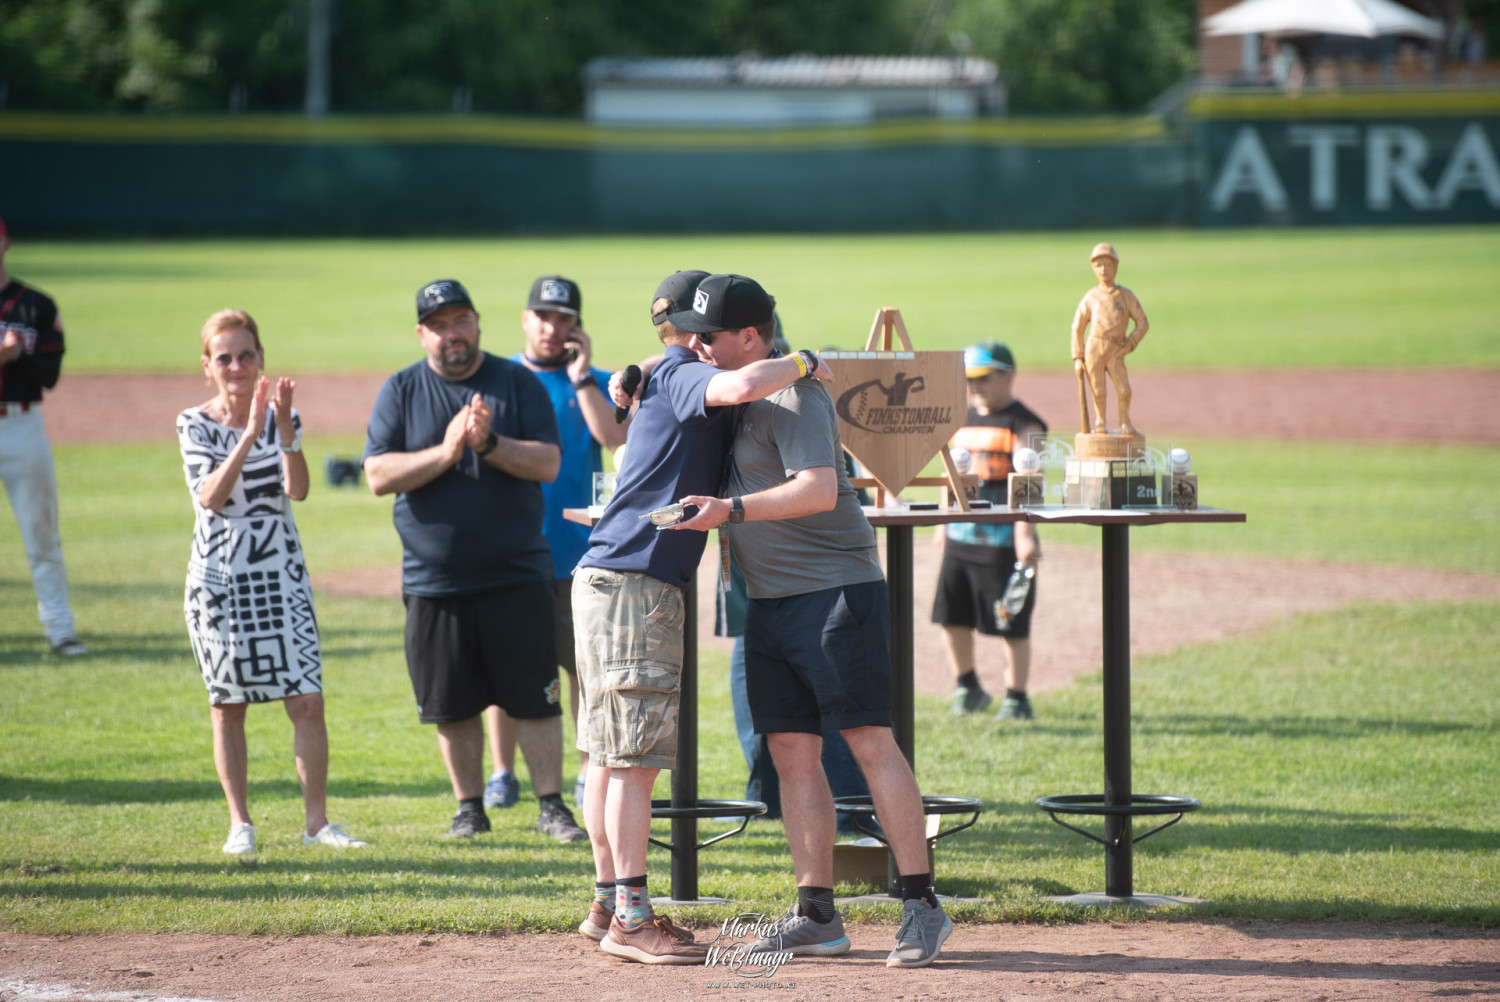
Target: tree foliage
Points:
(526, 55)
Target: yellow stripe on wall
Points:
(567, 134)
(1346, 104)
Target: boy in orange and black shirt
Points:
(978, 559)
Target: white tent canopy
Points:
(1361, 18)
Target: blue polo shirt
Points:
(581, 459)
(474, 528)
(677, 446)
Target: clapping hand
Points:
(477, 428)
(285, 430)
(257, 422)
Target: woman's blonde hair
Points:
(229, 320)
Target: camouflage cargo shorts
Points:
(627, 630)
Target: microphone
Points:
(629, 380)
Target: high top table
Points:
(1119, 802)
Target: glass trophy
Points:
(604, 489)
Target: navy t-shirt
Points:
(473, 529)
(676, 447)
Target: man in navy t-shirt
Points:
(629, 612)
(465, 439)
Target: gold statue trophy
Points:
(1110, 469)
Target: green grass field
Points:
(1216, 299)
(1344, 759)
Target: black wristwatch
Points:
(489, 445)
(736, 510)
(585, 382)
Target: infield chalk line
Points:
(22, 990)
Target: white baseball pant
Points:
(31, 484)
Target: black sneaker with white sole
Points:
(557, 821)
(469, 822)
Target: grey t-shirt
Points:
(793, 430)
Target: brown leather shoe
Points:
(658, 941)
(596, 924)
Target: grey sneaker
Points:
(970, 699)
(69, 647)
(800, 936)
(922, 933)
(1015, 709)
(556, 820)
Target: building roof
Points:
(750, 70)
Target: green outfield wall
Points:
(1240, 161)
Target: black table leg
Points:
(1119, 877)
(898, 582)
(898, 575)
(685, 773)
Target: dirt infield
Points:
(1442, 405)
(1192, 599)
(1186, 962)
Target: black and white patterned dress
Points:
(248, 601)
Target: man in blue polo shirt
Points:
(628, 609)
(558, 352)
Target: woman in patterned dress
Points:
(248, 601)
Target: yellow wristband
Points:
(801, 365)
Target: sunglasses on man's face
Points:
(707, 340)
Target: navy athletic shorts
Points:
(819, 660)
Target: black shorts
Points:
(820, 660)
(468, 652)
(967, 591)
(566, 657)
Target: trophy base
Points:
(1184, 488)
(1109, 445)
(1026, 489)
(1110, 483)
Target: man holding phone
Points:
(559, 353)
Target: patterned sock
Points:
(969, 678)
(632, 903)
(918, 885)
(604, 894)
(816, 903)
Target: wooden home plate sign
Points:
(897, 407)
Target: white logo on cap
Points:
(700, 302)
(554, 292)
(436, 289)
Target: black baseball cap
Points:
(444, 292)
(553, 292)
(677, 289)
(725, 303)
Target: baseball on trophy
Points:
(1180, 460)
(962, 460)
(1026, 460)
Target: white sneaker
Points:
(335, 835)
(241, 841)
